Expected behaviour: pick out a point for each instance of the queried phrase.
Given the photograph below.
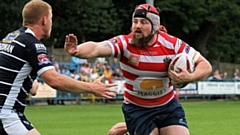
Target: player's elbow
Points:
(208, 68)
(205, 67)
(205, 70)
(52, 78)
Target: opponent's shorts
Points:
(141, 120)
(13, 123)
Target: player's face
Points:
(141, 30)
(141, 27)
(48, 26)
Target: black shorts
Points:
(12, 122)
(142, 121)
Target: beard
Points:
(140, 42)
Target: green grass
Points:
(213, 118)
(204, 118)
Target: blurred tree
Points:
(125, 9)
(11, 16)
(88, 19)
(209, 26)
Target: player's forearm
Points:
(86, 50)
(66, 84)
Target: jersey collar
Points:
(29, 31)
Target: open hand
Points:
(71, 43)
(103, 90)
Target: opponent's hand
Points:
(179, 78)
(103, 90)
(34, 88)
(71, 43)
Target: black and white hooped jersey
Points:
(22, 58)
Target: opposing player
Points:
(22, 55)
(149, 105)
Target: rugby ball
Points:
(183, 60)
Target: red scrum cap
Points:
(149, 12)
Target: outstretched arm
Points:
(88, 49)
(68, 84)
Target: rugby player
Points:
(149, 106)
(23, 54)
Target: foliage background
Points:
(210, 26)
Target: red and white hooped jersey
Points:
(146, 69)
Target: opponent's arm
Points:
(68, 84)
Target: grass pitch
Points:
(204, 118)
